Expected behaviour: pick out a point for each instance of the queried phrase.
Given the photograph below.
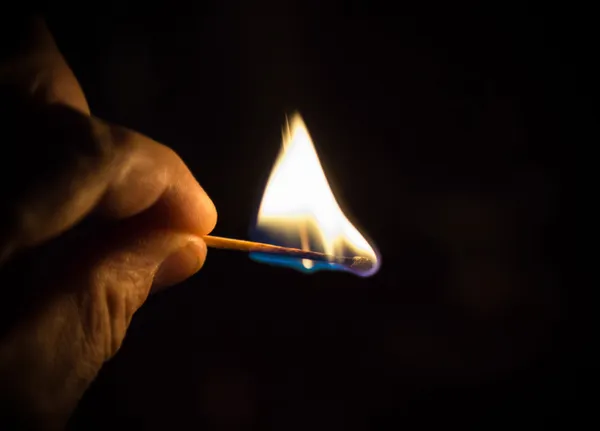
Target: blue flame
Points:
(277, 238)
(296, 263)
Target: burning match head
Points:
(361, 264)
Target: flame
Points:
(298, 208)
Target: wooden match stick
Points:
(357, 262)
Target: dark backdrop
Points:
(443, 137)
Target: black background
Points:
(444, 137)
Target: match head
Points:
(362, 264)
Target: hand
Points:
(94, 216)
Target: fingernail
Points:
(180, 265)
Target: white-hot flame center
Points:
(298, 201)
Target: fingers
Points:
(60, 163)
(66, 164)
(95, 216)
(48, 359)
(144, 217)
(89, 167)
(152, 175)
(155, 188)
(116, 280)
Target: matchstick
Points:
(357, 262)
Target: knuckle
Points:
(116, 290)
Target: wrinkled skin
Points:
(94, 217)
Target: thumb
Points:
(120, 279)
(144, 261)
(181, 263)
(48, 359)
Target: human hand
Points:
(94, 216)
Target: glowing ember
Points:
(298, 209)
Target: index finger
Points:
(153, 175)
(85, 166)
